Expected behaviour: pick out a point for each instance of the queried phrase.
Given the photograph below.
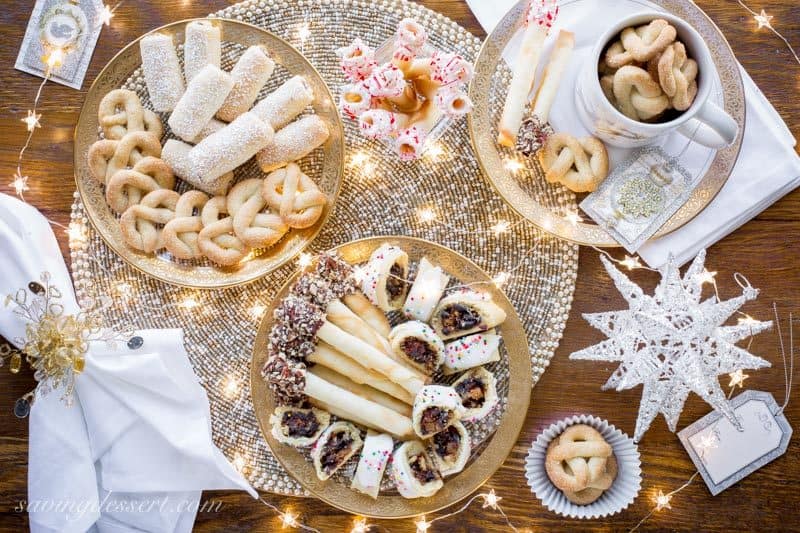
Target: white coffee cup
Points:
(704, 122)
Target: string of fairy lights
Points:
(231, 386)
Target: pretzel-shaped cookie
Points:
(638, 95)
(577, 458)
(127, 186)
(596, 488)
(580, 164)
(677, 74)
(255, 228)
(645, 42)
(216, 240)
(121, 111)
(107, 156)
(181, 233)
(295, 196)
(138, 223)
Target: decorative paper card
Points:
(61, 27)
(639, 196)
(724, 455)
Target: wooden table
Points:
(764, 249)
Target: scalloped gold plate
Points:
(495, 449)
(329, 160)
(482, 123)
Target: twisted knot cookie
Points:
(581, 464)
(217, 240)
(638, 95)
(677, 74)
(121, 111)
(138, 223)
(107, 156)
(253, 227)
(295, 196)
(641, 44)
(127, 186)
(580, 164)
(180, 235)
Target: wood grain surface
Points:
(765, 249)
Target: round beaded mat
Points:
(380, 196)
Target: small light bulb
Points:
(231, 387)
(189, 303)
(501, 279)
(55, 58)
(304, 260)
(125, 289)
(737, 378)
(763, 20)
(631, 262)
(105, 15)
(422, 525)
(435, 151)
(573, 218)
(289, 519)
(32, 120)
(303, 32)
(747, 320)
(20, 183)
(707, 442)
(76, 232)
(257, 310)
(359, 525)
(502, 226)
(238, 462)
(514, 166)
(426, 215)
(662, 500)
(491, 500)
(705, 277)
(359, 158)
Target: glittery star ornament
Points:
(673, 343)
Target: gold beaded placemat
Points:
(380, 196)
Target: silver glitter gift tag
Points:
(639, 196)
(724, 455)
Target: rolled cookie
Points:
(293, 142)
(426, 291)
(230, 147)
(282, 105)
(249, 75)
(461, 314)
(435, 408)
(384, 282)
(478, 391)
(450, 449)
(413, 471)
(471, 351)
(416, 343)
(298, 427)
(176, 155)
(213, 126)
(203, 97)
(162, 71)
(374, 457)
(337, 444)
(202, 47)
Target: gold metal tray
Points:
(325, 165)
(526, 190)
(485, 461)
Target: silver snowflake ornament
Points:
(673, 342)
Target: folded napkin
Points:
(134, 451)
(751, 187)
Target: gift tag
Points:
(64, 31)
(724, 455)
(639, 196)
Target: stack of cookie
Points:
(581, 464)
(221, 127)
(647, 73)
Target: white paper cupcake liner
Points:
(621, 494)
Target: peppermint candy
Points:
(542, 12)
(450, 69)
(452, 102)
(411, 35)
(355, 99)
(377, 123)
(386, 81)
(409, 143)
(357, 60)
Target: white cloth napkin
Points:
(134, 451)
(767, 168)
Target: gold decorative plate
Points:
(490, 455)
(526, 190)
(325, 165)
